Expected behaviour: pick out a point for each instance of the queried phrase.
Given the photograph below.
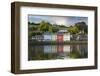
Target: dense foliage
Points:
(43, 26)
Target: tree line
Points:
(43, 26)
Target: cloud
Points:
(60, 20)
(67, 20)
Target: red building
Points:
(60, 37)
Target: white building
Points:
(66, 37)
(65, 34)
(47, 37)
(57, 36)
(54, 37)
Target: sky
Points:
(60, 20)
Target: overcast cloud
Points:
(67, 20)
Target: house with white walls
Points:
(66, 37)
(60, 37)
(54, 37)
(47, 37)
(63, 35)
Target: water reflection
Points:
(48, 52)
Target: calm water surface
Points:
(51, 52)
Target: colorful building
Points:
(63, 37)
(47, 37)
(60, 37)
(54, 37)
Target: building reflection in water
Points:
(50, 52)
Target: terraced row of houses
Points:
(60, 36)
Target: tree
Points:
(82, 26)
(45, 27)
(73, 29)
(55, 28)
(50, 28)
